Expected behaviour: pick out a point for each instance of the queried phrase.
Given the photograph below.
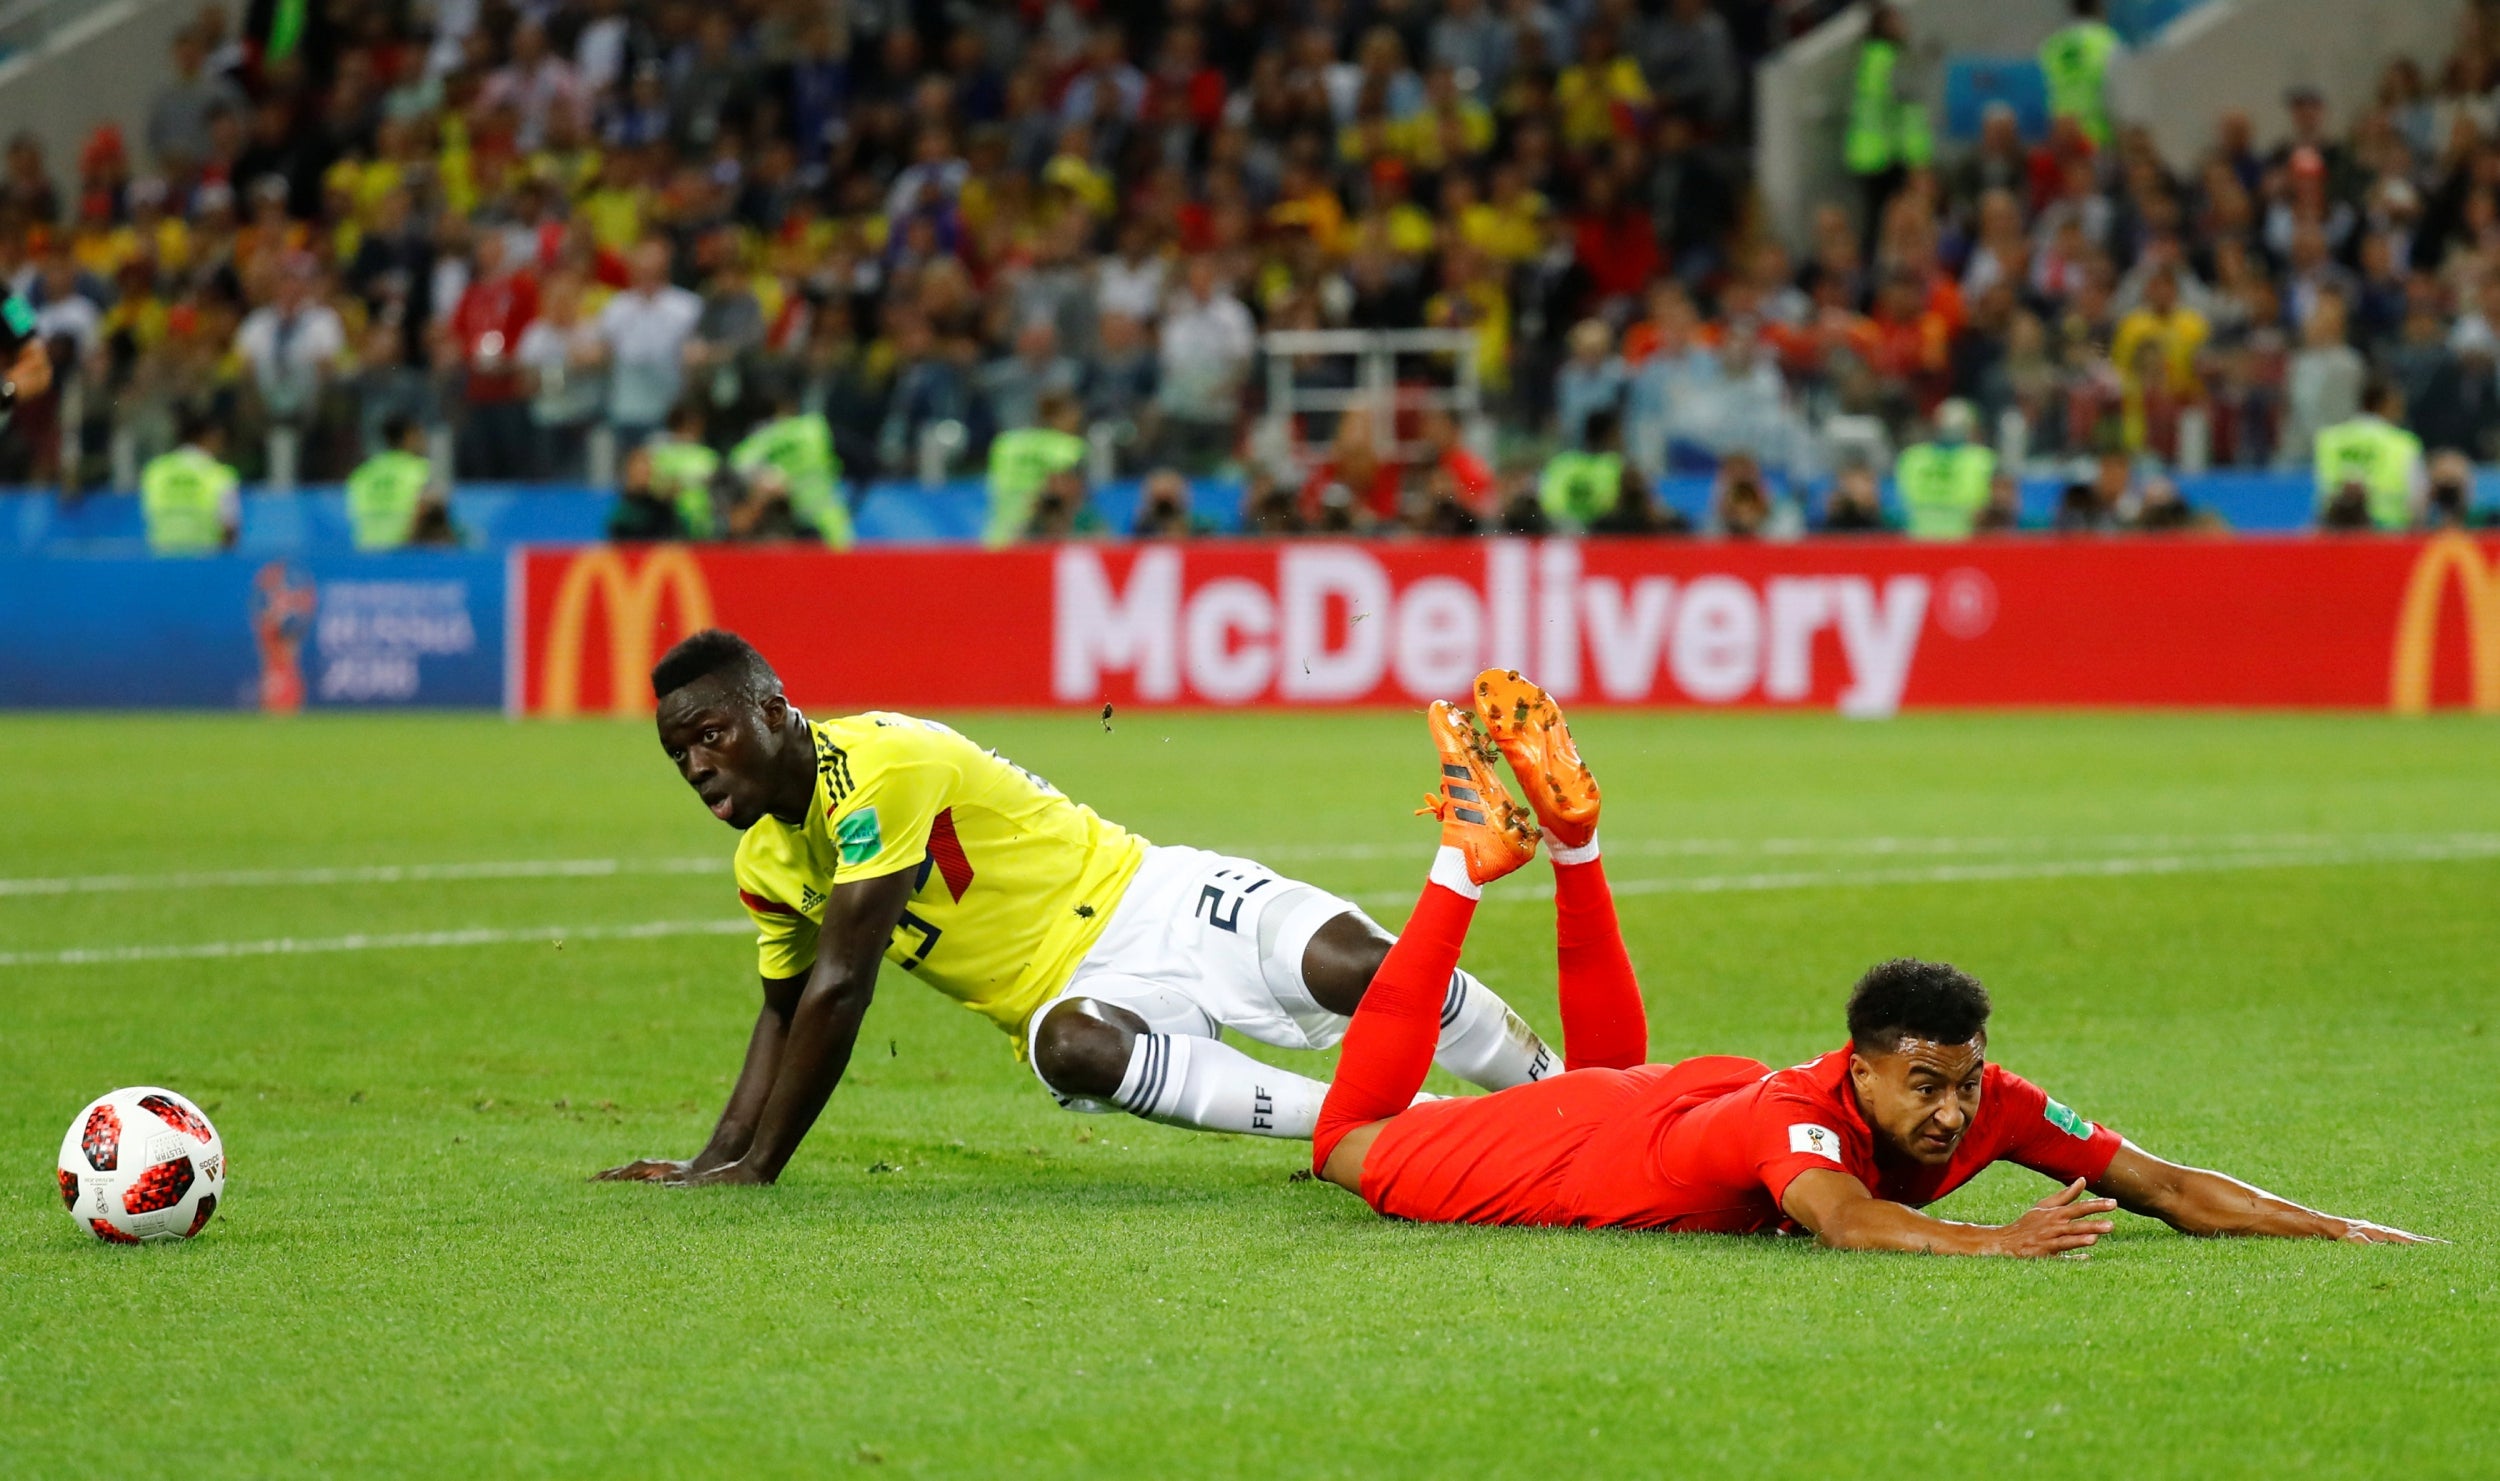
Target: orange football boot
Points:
(1528, 726)
(1478, 817)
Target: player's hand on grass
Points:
(724, 1172)
(2063, 1223)
(2362, 1231)
(645, 1170)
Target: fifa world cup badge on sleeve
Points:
(857, 837)
(1819, 1141)
(2067, 1121)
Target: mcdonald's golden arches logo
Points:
(631, 598)
(2417, 625)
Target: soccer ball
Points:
(142, 1165)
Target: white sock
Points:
(1207, 1084)
(1580, 855)
(1449, 871)
(1484, 1043)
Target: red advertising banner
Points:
(1863, 627)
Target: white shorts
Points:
(1204, 942)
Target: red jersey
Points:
(1708, 1145)
(488, 323)
(1473, 477)
(1620, 251)
(1198, 96)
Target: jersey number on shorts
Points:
(1213, 899)
(928, 939)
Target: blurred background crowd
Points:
(609, 240)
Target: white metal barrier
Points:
(1378, 387)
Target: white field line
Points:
(87, 956)
(2458, 848)
(2462, 847)
(1912, 846)
(1417, 848)
(230, 879)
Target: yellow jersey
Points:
(1016, 882)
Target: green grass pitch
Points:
(2266, 944)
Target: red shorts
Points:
(1580, 1148)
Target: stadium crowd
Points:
(1043, 238)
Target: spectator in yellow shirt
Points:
(568, 158)
(1372, 134)
(1511, 224)
(1452, 128)
(2175, 333)
(1405, 227)
(1600, 94)
(365, 182)
(1305, 203)
(155, 231)
(615, 205)
(1472, 297)
(137, 312)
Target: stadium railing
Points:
(1393, 371)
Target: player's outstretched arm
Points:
(1845, 1216)
(736, 1130)
(2194, 1201)
(860, 918)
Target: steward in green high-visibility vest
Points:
(1023, 460)
(1580, 488)
(2075, 61)
(682, 470)
(1887, 127)
(2375, 454)
(385, 490)
(189, 498)
(798, 447)
(1943, 484)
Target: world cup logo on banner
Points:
(282, 611)
(2417, 626)
(630, 597)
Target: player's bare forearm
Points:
(1844, 1216)
(2195, 1201)
(813, 1059)
(1878, 1224)
(736, 1131)
(823, 1026)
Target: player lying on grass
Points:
(1113, 962)
(1849, 1146)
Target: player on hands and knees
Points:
(1115, 964)
(1848, 1147)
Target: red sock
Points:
(1389, 1046)
(1603, 1024)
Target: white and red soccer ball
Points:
(141, 1165)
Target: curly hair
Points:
(1906, 998)
(713, 652)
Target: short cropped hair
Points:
(711, 652)
(1906, 998)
